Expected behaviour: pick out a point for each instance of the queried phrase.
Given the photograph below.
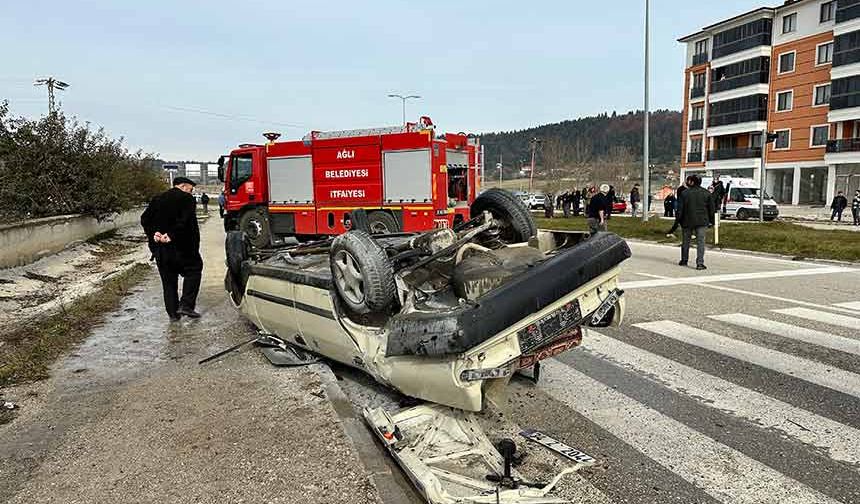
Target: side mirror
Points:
(221, 168)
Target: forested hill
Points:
(591, 139)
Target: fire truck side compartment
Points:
(407, 175)
(291, 180)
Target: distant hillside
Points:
(589, 141)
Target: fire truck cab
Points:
(405, 178)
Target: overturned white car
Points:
(444, 316)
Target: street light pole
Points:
(403, 99)
(535, 141)
(646, 179)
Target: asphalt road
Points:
(740, 384)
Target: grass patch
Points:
(772, 237)
(27, 352)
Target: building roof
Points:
(761, 10)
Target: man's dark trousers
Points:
(171, 265)
(836, 214)
(700, 231)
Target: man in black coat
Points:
(838, 206)
(695, 213)
(170, 223)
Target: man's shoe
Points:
(188, 312)
(682, 263)
(701, 267)
(174, 317)
(669, 235)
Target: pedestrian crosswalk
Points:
(812, 414)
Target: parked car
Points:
(619, 206)
(743, 198)
(536, 201)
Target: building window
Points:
(783, 139)
(696, 145)
(786, 62)
(701, 47)
(789, 23)
(755, 140)
(828, 11)
(822, 95)
(699, 81)
(698, 113)
(820, 135)
(825, 53)
(784, 101)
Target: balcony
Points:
(762, 39)
(700, 59)
(846, 57)
(694, 157)
(737, 117)
(846, 145)
(847, 10)
(744, 153)
(739, 81)
(697, 92)
(696, 124)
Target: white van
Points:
(743, 200)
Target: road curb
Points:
(377, 464)
(769, 255)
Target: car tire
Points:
(255, 224)
(518, 224)
(742, 214)
(236, 250)
(362, 273)
(382, 223)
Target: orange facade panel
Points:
(802, 114)
(685, 116)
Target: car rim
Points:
(255, 229)
(348, 277)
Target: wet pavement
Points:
(130, 416)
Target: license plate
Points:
(607, 304)
(550, 327)
(557, 446)
(557, 347)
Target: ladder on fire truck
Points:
(424, 123)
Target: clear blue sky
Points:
(301, 65)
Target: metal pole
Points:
(532, 171)
(404, 111)
(761, 176)
(646, 178)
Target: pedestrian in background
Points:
(719, 192)
(204, 198)
(576, 200)
(678, 195)
(596, 210)
(222, 201)
(566, 201)
(855, 207)
(635, 198)
(696, 214)
(838, 206)
(170, 223)
(669, 205)
(611, 196)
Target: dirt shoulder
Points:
(129, 416)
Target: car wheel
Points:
(382, 223)
(255, 224)
(362, 274)
(743, 215)
(236, 249)
(516, 220)
(769, 219)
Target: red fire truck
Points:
(404, 177)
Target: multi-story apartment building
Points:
(791, 70)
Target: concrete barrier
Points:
(27, 241)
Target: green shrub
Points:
(56, 166)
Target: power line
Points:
(231, 116)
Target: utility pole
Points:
(403, 99)
(51, 83)
(646, 175)
(534, 143)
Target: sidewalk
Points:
(131, 417)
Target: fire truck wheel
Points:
(382, 223)
(517, 222)
(362, 273)
(255, 225)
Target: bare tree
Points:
(555, 154)
(617, 165)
